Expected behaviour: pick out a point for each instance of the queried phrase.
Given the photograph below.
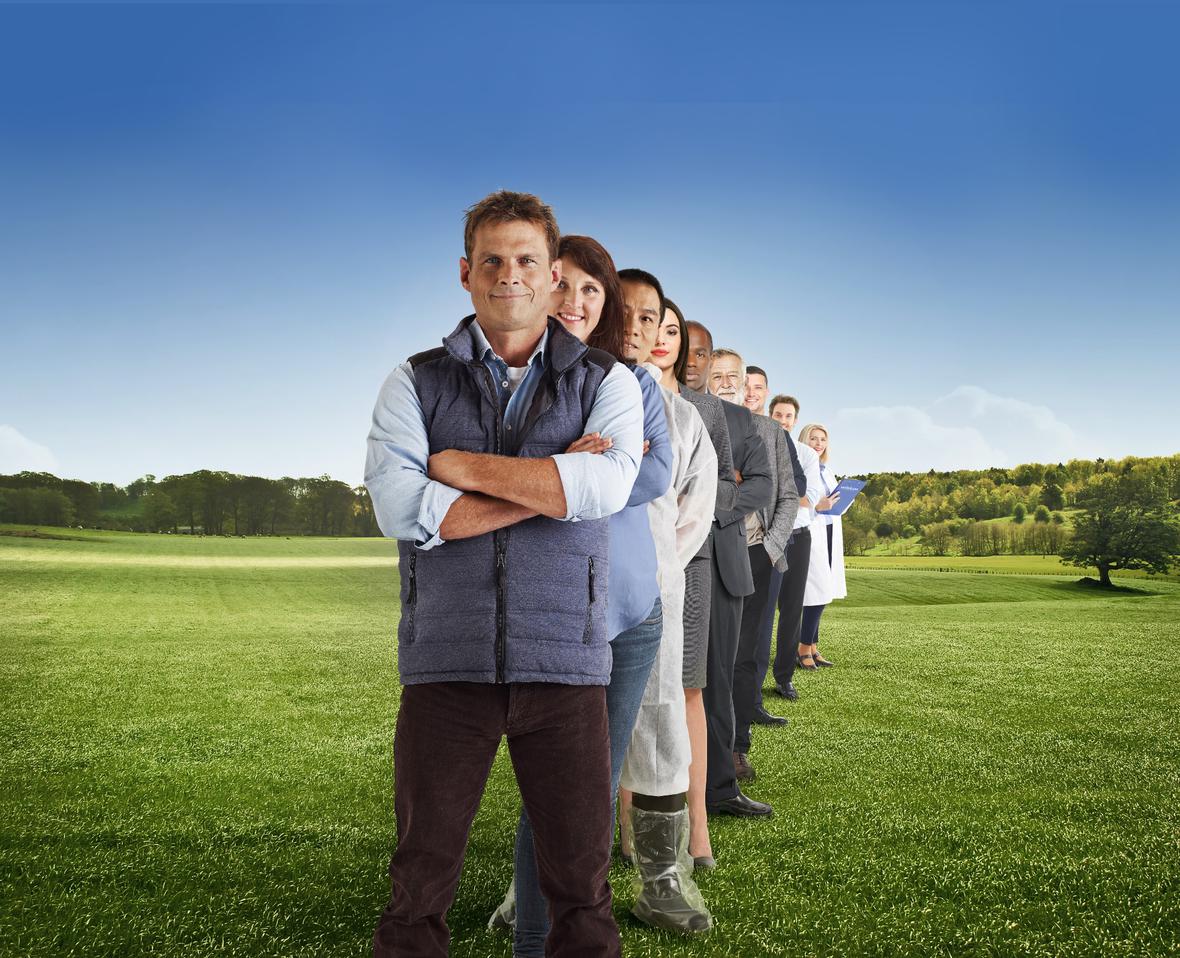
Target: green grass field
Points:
(197, 761)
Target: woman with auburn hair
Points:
(588, 302)
(825, 574)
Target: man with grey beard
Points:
(767, 533)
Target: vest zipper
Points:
(501, 611)
(498, 537)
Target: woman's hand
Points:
(827, 502)
(594, 443)
(646, 446)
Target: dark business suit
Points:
(783, 587)
(698, 576)
(766, 557)
(732, 581)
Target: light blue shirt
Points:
(411, 506)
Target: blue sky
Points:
(950, 229)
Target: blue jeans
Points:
(633, 653)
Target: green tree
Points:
(1052, 497)
(1019, 512)
(1127, 523)
(1042, 514)
(159, 511)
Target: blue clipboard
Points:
(849, 489)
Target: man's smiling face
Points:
(510, 276)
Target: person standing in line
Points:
(784, 410)
(766, 626)
(825, 576)
(732, 582)
(501, 536)
(671, 355)
(756, 390)
(656, 771)
(767, 531)
(589, 303)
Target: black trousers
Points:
(790, 607)
(746, 683)
(725, 621)
(766, 630)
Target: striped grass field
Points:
(197, 761)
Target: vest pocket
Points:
(411, 600)
(589, 633)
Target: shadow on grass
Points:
(39, 534)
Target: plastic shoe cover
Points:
(666, 896)
(504, 917)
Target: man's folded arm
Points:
(407, 504)
(474, 514)
(568, 486)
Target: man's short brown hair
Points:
(781, 398)
(504, 206)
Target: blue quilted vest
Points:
(526, 603)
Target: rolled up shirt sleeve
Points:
(406, 502)
(597, 485)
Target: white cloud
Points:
(969, 428)
(18, 453)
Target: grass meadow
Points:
(197, 761)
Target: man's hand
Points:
(450, 468)
(593, 443)
(738, 476)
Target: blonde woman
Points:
(825, 574)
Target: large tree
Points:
(1127, 523)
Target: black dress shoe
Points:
(763, 717)
(822, 663)
(740, 805)
(787, 691)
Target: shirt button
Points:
(509, 427)
(504, 384)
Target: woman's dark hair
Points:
(590, 256)
(681, 357)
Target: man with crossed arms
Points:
(503, 567)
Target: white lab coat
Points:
(659, 754)
(824, 583)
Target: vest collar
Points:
(563, 349)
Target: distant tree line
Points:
(954, 513)
(1110, 515)
(206, 502)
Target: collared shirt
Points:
(515, 386)
(809, 459)
(409, 505)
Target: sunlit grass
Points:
(197, 761)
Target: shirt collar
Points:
(483, 349)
